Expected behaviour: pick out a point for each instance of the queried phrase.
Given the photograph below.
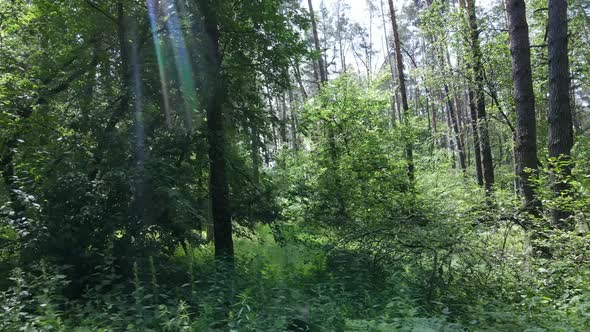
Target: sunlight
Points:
(183, 66)
(160, 58)
(240, 165)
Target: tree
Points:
(403, 89)
(342, 23)
(478, 103)
(526, 128)
(561, 135)
(434, 17)
(216, 95)
(390, 64)
(316, 40)
(242, 44)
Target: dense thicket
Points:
(274, 165)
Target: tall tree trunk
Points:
(456, 130)
(125, 69)
(482, 123)
(88, 91)
(255, 151)
(218, 184)
(283, 121)
(339, 36)
(452, 142)
(316, 41)
(293, 118)
(475, 134)
(390, 61)
(297, 72)
(561, 136)
(434, 118)
(526, 128)
(403, 90)
(453, 112)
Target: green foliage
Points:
(105, 207)
(83, 176)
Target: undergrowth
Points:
(275, 287)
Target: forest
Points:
(294, 165)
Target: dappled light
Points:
(294, 165)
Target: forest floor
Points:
(306, 280)
(298, 281)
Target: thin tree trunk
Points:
(434, 118)
(316, 40)
(456, 130)
(339, 37)
(453, 115)
(255, 151)
(482, 149)
(403, 90)
(391, 65)
(88, 92)
(125, 70)
(293, 121)
(451, 141)
(481, 124)
(283, 121)
(299, 80)
(475, 135)
(575, 109)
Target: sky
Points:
(359, 13)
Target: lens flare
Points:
(160, 59)
(183, 66)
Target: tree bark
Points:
(255, 154)
(453, 113)
(339, 37)
(283, 121)
(452, 142)
(403, 90)
(299, 80)
(316, 40)
(218, 184)
(456, 130)
(526, 128)
(391, 67)
(479, 94)
(561, 136)
(475, 134)
(293, 120)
